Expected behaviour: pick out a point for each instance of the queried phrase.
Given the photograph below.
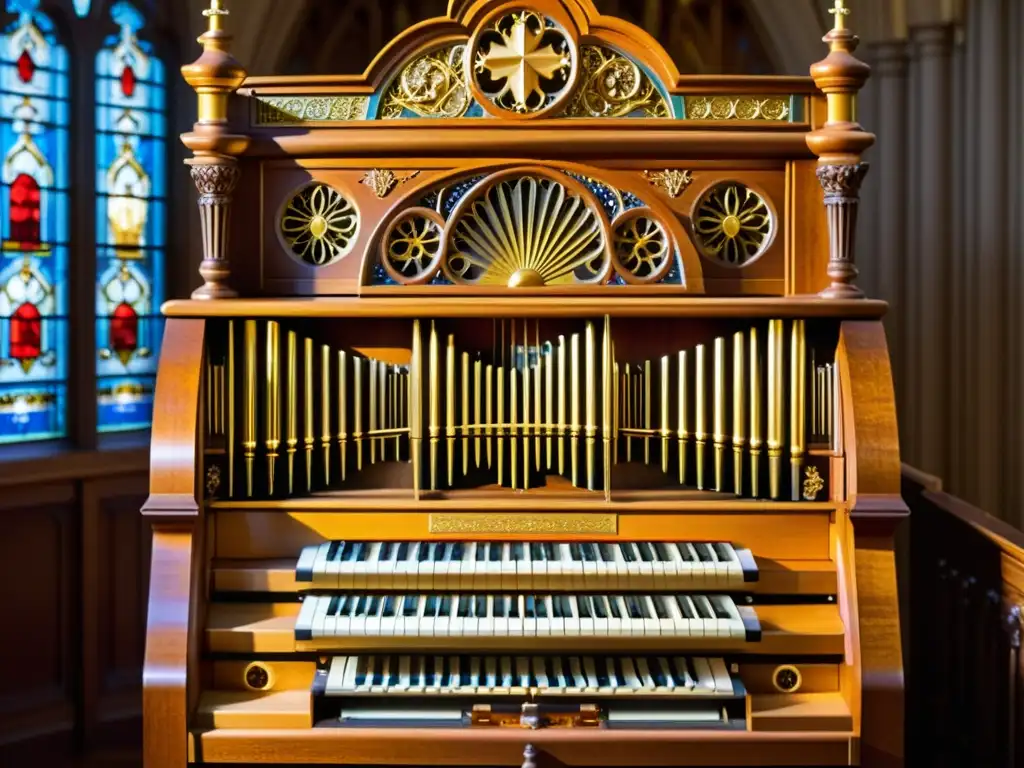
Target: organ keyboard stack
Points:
(535, 418)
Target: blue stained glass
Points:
(131, 222)
(34, 215)
(82, 7)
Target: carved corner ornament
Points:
(674, 182)
(813, 483)
(841, 184)
(216, 183)
(383, 181)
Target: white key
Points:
(538, 568)
(307, 562)
(307, 613)
(403, 674)
(476, 672)
(590, 671)
(643, 671)
(617, 624)
(733, 627)
(437, 662)
(469, 565)
(631, 681)
(540, 673)
(485, 626)
(336, 674)
(694, 619)
(492, 570)
(666, 626)
(351, 666)
(374, 621)
(582, 605)
(579, 682)
(367, 665)
(508, 567)
(418, 681)
(704, 679)
(712, 624)
(385, 673)
(325, 572)
(723, 681)
(471, 623)
(555, 624)
(652, 624)
(515, 624)
(491, 673)
(667, 671)
(683, 672)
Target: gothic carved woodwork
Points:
(215, 183)
(841, 184)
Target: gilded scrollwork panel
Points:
(611, 85)
(300, 110)
(432, 85)
(763, 108)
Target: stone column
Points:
(989, 265)
(930, 259)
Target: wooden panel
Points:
(38, 662)
(234, 709)
(800, 712)
(115, 579)
(281, 535)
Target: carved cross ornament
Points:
(522, 59)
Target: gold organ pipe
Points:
(292, 419)
(665, 430)
(372, 392)
(477, 411)
(449, 406)
(382, 403)
(435, 403)
(739, 409)
(646, 397)
(399, 401)
(489, 409)
(501, 424)
(273, 400)
(627, 411)
(719, 435)
(249, 396)
(308, 428)
(357, 409)
(701, 429)
(465, 413)
(325, 410)
(561, 405)
(590, 355)
(574, 406)
(797, 405)
(756, 435)
(684, 426)
(415, 407)
(538, 399)
(513, 383)
(607, 368)
(231, 408)
(342, 413)
(616, 410)
(549, 402)
(776, 355)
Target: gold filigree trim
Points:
(733, 224)
(813, 483)
(484, 523)
(613, 86)
(212, 480)
(766, 108)
(319, 225)
(299, 110)
(673, 182)
(433, 85)
(382, 180)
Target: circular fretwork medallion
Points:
(319, 225)
(411, 248)
(643, 250)
(787, 679)
(522, 63)
(258, 677)
(733, 224)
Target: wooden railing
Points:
(964, 672)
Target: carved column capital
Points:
(841, 184)
(215, 180)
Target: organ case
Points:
(521, 338)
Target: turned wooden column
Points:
(839, 145)
(215, 76)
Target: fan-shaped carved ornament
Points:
(527, 231)
(522, 63)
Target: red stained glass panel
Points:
(26, 333)
(25, 212)
(124, 329)
(26, 67)
(128, 82)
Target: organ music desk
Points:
(529, 413)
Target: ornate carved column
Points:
(839, 145)
(215, 76)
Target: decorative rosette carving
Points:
(319, 225)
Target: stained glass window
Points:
(130, 222)
(34, 116)
(82, 7)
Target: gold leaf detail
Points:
(299, 110)
(522, 524)
(765, 108)
(212, 479)
(674, 181)
(813, 483)
(382, 180)
(613, 86)
(432, 85)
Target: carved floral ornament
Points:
(529, 228)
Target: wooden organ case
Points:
(528, 414)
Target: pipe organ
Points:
(528, 414)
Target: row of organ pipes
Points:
(313, 415)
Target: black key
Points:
(428, 670)
(446, 672)
(567, 675)
(422, 552)
(463, 611)
(536, 552)
(389, 606)
(607, 554)
(657, 672)
(574, 550)
(662, 551)
(542, 608)
(556, 607)
(659, 608)
(362, 551)
(494, 554)
(457, 549)
(567, 608)
(431, 609)
(464, 677)
(332, 607)
(600, 606)
(684, 607)
(386, 548)
(414, 670)
(438, 551)
(626, 548)
(513, 607)
(613, 607)
(481, 607)
(332, 550)
(530, 609)
(374, 607)
(361, 670)
(620, 679)
(361, 606)
(719, 610)
(481, 552)
(343, 607)
(346, 551)
(403, 552)
(517, 551)
(549, 671)
(500, 606)
(378, 671)
(583, 606)
(602, 672)
(549, 549)
(704, 553)
(646, 553)
(633, 605)
(684, 552)
(410, 606)
(670, 670)
(446, 606)
(393, 668)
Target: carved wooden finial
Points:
(215, 76)
(839, 144)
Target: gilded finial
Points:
(840, 11)
(214, 14)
